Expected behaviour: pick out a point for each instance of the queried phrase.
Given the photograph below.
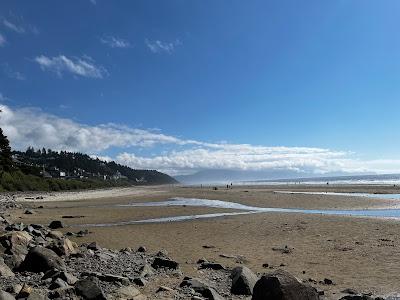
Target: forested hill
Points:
(70, 165)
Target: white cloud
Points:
(18, 28)
(241, 157)
(33, 127)
(115, 42)
(2, 40)
(13, 27)
(157, 46)
(30, 126)
(84, 67)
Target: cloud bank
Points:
(33, 127)
(84, 67)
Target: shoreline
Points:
(355, 252)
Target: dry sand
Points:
(358, 253)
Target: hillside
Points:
(70, 165)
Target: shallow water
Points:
(367, 195)
(244, 209)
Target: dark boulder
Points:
(56, 225)
(200, 287)
(211, 265)
(357, 297)
(40, 259)
(164, 263)
(281, 285)
(93, 246)
(243, 281)
(88, 289)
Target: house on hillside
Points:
(118, 176)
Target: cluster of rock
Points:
(38, 262)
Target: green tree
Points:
(6, 163)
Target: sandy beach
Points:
(358, 253)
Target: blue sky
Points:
(235, 78)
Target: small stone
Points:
(139, 281)
(211, 265)
(349, 291)
(55, 234)
(56, 225)
(58, 283)
(164, 289)
(93, 246)
(26, 290)
(128, 292)
(142, 249)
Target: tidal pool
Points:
(243, 210)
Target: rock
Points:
(128, 293)
(64, 247)
(164, 263)
(14, 261)
(68, 278)
(328, 281)
(357, 297)
(349, 291)
(162, 253)
(243, 281)
(284, 250)
(211, 265)
(63, 293)
(139, 281)
(146, 270)
(56, 225)
(58, 283)
(142, 249)
(15, 289)
(29, 212)
(55, 234)
(16, 242)
(5, 271)
(200, 287)
(93, 246)
(6, 296)
(89, 290)
(281, 285)
(40, 259)
(164, 289)
(72, 217)
(36, 295)
(25, 291)
(82, 233)
(202, 260)
(114, 278)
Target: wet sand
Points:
(358, 253)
